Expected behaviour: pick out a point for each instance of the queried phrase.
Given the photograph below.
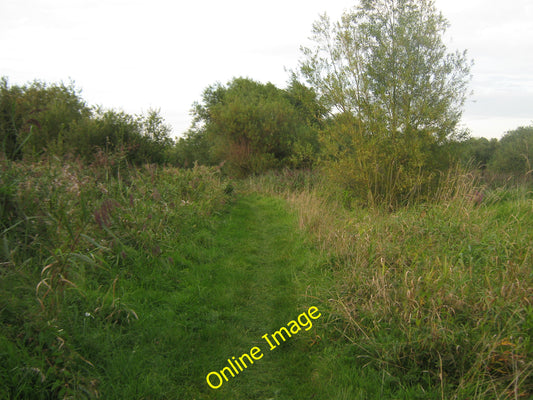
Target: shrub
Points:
(514, 153)
(54, 119)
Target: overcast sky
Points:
(139, 54)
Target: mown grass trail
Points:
(229, 285)
(250, 290)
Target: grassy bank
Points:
(120, 282)
(137, 283)
(433, 300)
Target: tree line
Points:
(38, 118)
(375, 104)
(277, 128)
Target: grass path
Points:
(252, 291)
(228, 286)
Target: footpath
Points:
(259, 335)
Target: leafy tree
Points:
(48, 111)
(155, 137)
(310, 116)
(477, 151)
(191, 149)
(253, 126)
(515, 152)
(395, 92)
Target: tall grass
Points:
(71, 236)
(436, 295)
(432, 300)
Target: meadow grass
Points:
(136, 283)
(433, 300)
(120, 282)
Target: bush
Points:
(514, 153)
(253, 127)
(376, 170)
(39, 118)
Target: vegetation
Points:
(140, 281)
(398, 94)
(499, 161)
(132, 265)
(251, 128)
(431, 301)
(515, 152)
(95, 261)
(254, 127)
(39, 118)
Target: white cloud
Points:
(136, 54)
(497, 36)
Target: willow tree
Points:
(394, 91)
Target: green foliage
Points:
(477, 151)
(431, 301)
(310, 119)
(82, 249)
(144, 138)
(193, 148)
(49, 110)
(385, 65)
(137, 282)
(377, 170)
(38, 118)
(253, 127)
(504, 161)
(514, 153)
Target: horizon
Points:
(162, 55)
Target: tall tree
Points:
(254, 126)
(395, 93)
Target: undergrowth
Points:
(71, 234)
(437, 296)
(106, 269)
